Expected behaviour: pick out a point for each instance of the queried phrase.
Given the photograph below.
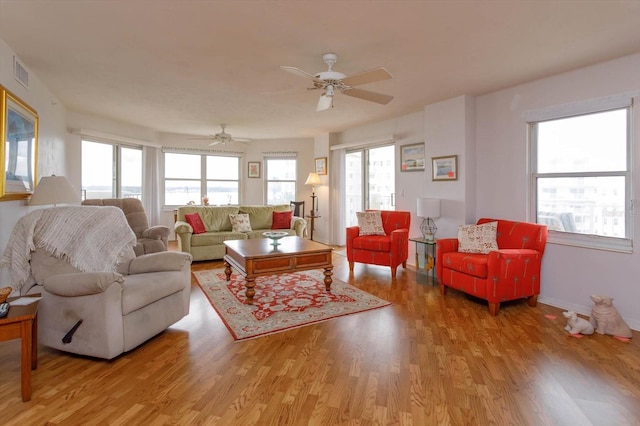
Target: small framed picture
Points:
(321, 165)
(445, 168)
(254, 169)
(412, 157)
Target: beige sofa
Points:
(210, 245)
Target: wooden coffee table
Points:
(22, 323)
(257, 257)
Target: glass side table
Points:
(425, 260)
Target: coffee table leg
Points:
(227, 270)
(327, 278)
(25, 363)
(250, 283)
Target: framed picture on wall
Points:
(445, 168)
(321, 165)
(254, 169)
(412, 157)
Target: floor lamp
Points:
(313, 180)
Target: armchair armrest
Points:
(158, 232)
(400, 243)
(352, 232)
(82, 283)
(159, 262)
(444, 245)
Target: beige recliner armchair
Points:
(98, 298)
(151, 239)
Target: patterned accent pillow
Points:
(370, 223)
(240, 222)
(478, 238)
(196, 223)
(281, 220)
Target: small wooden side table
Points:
(22, 323)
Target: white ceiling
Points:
(187, 66)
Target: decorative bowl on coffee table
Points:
(274, 236)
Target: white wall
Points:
(52, 153)
(569, 274)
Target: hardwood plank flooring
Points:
(425, 360)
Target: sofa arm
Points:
(400, 244)
(159, 262)
(299, 224)
(82, 283)
(158, 232)
(514, 272)
(352, 232)
(184, 231)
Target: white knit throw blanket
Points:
(91, 238)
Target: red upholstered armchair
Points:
(390, 249)
(511, 272)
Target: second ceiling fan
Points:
(221, 138)
(331, 81)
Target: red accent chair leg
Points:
(533, 300)
(443, 289)
(393, 271)
(494, 308)
(351, 266)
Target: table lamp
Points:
(429, 209)
(54, 190)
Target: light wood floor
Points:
(425, 360)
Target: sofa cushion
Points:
(261, 216)
(216, 238)
(195, 221)
(214, 218)
(373, 243)
(477, 238)
(240, 222)
(370, 223)
(281, 220)
(468, 263)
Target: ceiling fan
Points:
(222, 137)
(331, 81)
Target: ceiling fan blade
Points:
(241, 140)
(201, 138)
(215, 143)
(370, 76)
(298, 72)
(369, 96)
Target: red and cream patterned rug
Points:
(281, 302)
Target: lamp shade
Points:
(313, 179)
(428, 207)
(54, 190)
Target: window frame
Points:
(203, 179)
(265, 162)
(116, 164)
(599, 242)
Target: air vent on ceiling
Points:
(20, 73)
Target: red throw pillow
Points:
(281, 220)
(195, 221)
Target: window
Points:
(188, 177)
(370, 180)
(111, 170)
(281, 180)
(581, 178)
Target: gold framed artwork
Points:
(18, 147)
(321, 165)
(445, 168)
(412, 157)
(254, 169)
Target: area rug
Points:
(281, 302)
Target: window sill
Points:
(595, 242)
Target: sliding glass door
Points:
(370, 181)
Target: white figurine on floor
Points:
(577, 325)
(606, 319)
